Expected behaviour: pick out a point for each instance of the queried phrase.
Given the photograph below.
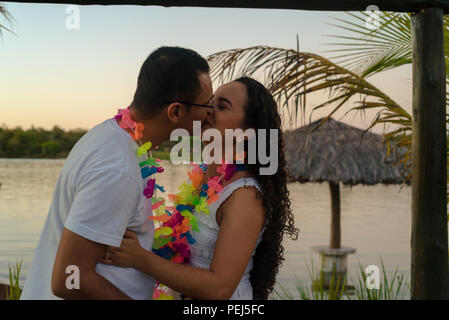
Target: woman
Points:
(238, 250)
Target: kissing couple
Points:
(108, 236)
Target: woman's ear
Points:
(175, 112)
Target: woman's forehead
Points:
(233, 91)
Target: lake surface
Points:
(376, 220)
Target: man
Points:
(98, 194)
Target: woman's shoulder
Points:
(243, 198)
(242, 189)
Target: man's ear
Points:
(175, 112)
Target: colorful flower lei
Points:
(173, 237)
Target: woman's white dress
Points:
(204, 246)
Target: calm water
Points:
(376, 220)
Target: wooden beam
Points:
(322, 5)
(335, 239)
(429, 269)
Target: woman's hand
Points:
(127, 255)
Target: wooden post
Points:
(335, 216)
(429, 268)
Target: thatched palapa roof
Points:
(338, 152)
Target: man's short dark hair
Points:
(168, 74)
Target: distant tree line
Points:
(54, 143)
(37, 142)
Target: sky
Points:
(76, 78)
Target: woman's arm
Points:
(243, 218)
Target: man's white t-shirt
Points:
(98, 196)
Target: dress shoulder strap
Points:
(234, 185)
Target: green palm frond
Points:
(290, 75)
(8, 17)
(368, 51)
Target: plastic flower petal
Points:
(177, 259)
(174, 198)
(156, 205)
(161, 188)
(143, 149)
(189, 237)
(230, 169)
(138, 131)
(185, 191)
(160, 242)
(214, 184)
(166, 231)
(196, 178)
(161, 295)
(192, 219)
(212, 198)
(149, 190)
(126, 122)
(202, 206)
(158, 199)
(161, 210)
(221, 169)
(118, 116)
(161, 218)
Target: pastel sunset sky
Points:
(50, 75)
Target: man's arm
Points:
(85, 254)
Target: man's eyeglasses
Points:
(209, 106)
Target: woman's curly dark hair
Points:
(262, 113)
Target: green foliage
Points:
(50, 149)
(55, 143)
(394, 288)
(37, 142)
(316, 290)
(390, 288)
(14, 289)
